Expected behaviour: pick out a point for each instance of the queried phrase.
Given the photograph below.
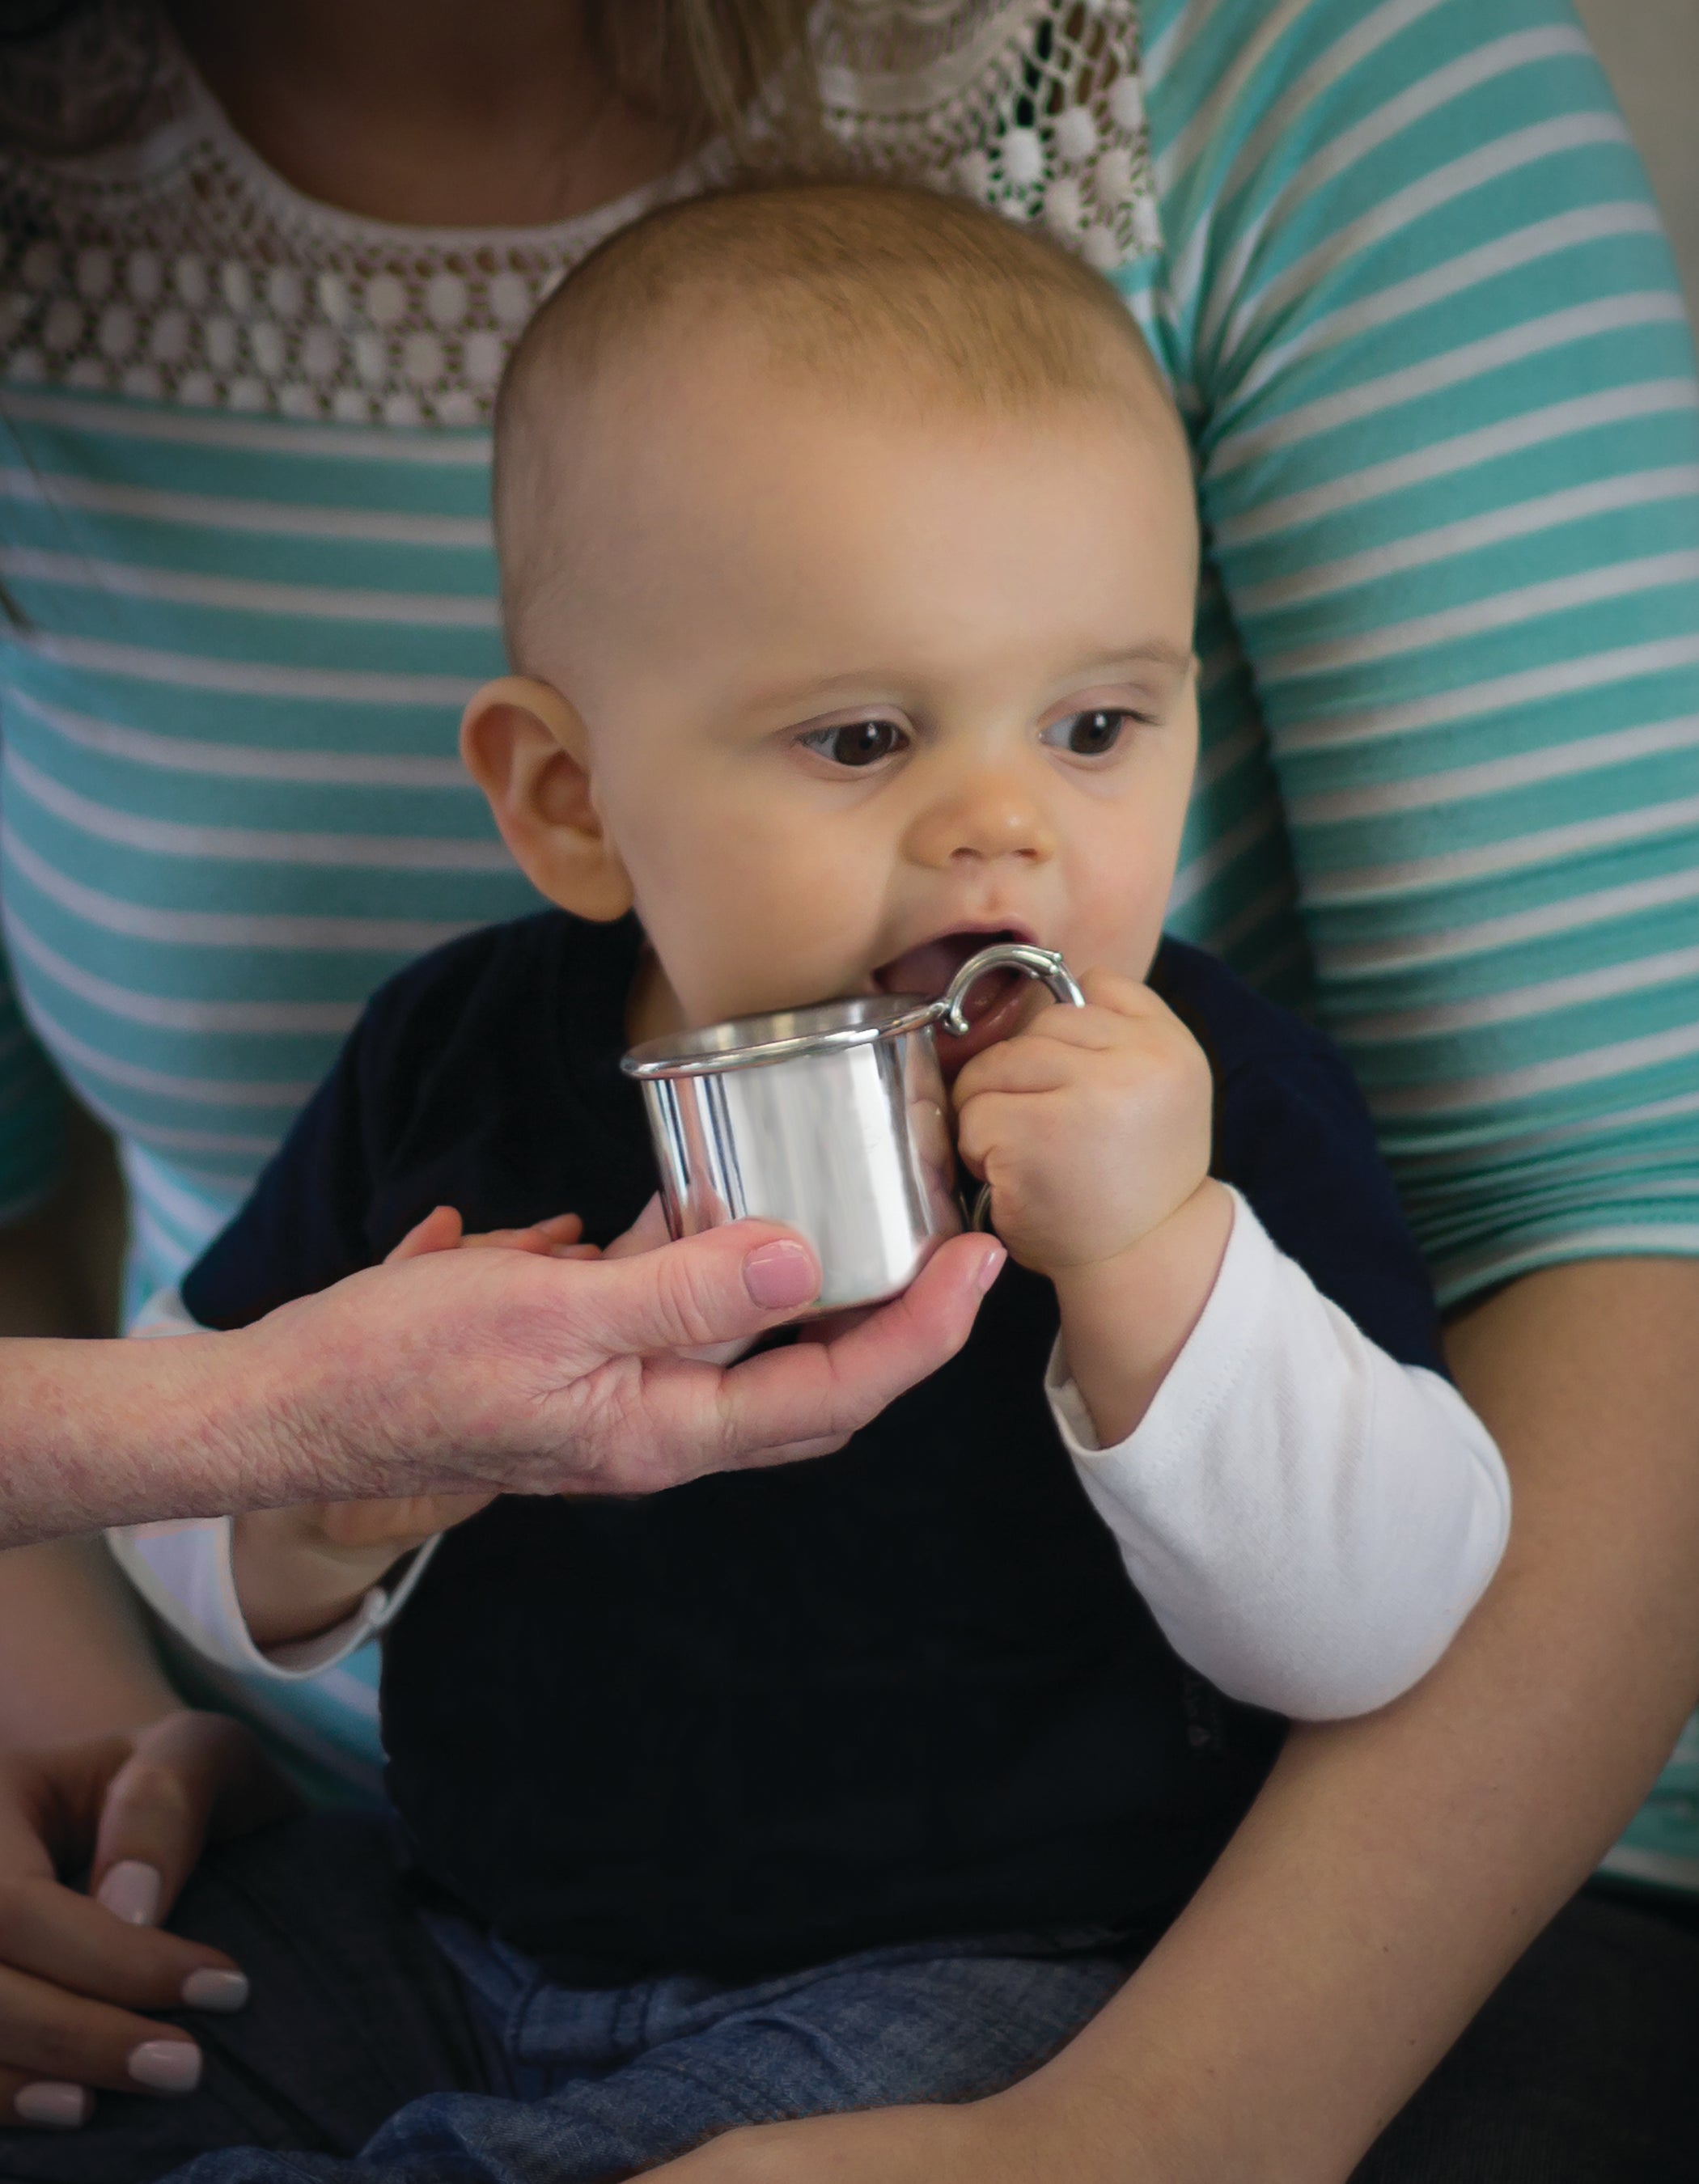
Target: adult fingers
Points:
(723, 1286)
(47, 2035)
(188, 1773)
(43, 2103)
(50, 1805)
(824, 1391)
(71, 1942)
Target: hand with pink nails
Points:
(539, 1371)
(133, 1811)
(535, 1369)
(300, 1570)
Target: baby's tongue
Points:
(928, 969)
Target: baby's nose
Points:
(994, 817)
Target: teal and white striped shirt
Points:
(1400, 261)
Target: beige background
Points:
(1650, 50)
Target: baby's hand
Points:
(1092, 1126)
(300, 1570)
(443, 1230)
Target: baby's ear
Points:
(525, 748)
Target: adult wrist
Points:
(321, 1407)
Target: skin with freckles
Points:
(830, 691)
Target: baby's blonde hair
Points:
(884, 289)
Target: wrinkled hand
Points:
(510, 1371)
(1091, 1125)
(134, 1810)
(370, 1534)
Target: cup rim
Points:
(782, 1035)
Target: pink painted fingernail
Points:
(166, 2066)
(990, 1267)
(779, 1275)
(58, 2106)
(212, 1989)
(131, 1893)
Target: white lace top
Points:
(173, 265)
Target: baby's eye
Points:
(1089, 734)
(856, 742)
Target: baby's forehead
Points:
(859, 300)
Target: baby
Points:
(849, 547)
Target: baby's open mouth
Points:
(991, 1004)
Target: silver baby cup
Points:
(832, 1119)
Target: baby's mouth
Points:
(992, 1005)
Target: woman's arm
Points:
(382, 1384)
(1395, 1867)
(1448, 460)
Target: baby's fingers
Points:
(1017, 1065)
(439, 1231)
(992, 1123)
(548, 1239)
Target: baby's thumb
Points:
(723, 1286)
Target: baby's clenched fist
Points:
(1092, 1125)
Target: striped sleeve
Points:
(1421, 314)
(33, 1103)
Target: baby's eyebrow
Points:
(1151, 653)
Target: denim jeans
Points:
(377, 2051)
(362, 2035)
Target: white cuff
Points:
(182, 1568)
(1308, 1520)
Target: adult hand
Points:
(133, 1810)
(460, 1372)
(300, 1569)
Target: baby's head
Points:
(849, 548)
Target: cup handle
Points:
(1007, 955)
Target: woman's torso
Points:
(244, 484)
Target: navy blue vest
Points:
(902, 1691)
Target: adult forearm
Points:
(1394, 1867)
(112, 1432)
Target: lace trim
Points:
(173, 265)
